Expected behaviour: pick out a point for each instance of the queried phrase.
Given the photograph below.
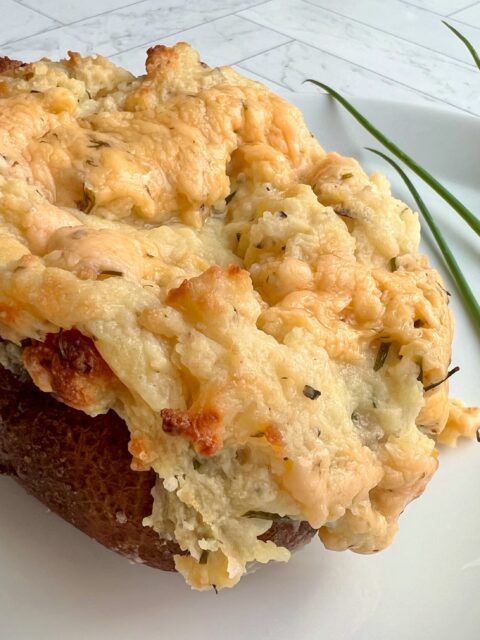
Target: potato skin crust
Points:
(79, 467)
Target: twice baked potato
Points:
(217, 338)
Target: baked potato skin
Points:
(79, 467)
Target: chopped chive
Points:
(196, 464)
(203, 557)
(478, 435)
(311, 392)
(436, 384)
(393, 264)
(466, 42)
(345, 176)
(62, 346)
(264, 515)
(259, 434)
(355, 417)
(105, 275)
(460, 208)
(382, 354)
(282, 214)
(463, 286)
(96, 144)
(230, 197)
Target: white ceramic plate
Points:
(57, 583)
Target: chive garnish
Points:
(478, 435)
(393, 264)
(62, 347)
(196, 464)
(282, 214)
(109, 273)
(264, 515)
(345, 176)
(96, 144)
(230, 197)
(460, 208)
(463, 286)
(311, 392)
(382, 354)
(466, 42)
(259, 434)
(436, 384)
(203, 557)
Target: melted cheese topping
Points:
(240, 283)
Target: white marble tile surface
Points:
(68, 11)
(19, 22)
(470, 16)
(394, 49)
(223, 41)
(443, 7)
(291, 64)
(408, 22)
(52, 44)
(151, 20)
(407, 63)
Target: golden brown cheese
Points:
(263, 319)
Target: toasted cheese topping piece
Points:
(178, 247)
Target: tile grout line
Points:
(45, 15)
(260, 75)
(397, 82)
(138, 2)
(277, 46)
(58, 25)
(32, 35)
(467, 24)
(196, 26)
(61, 25)
(469, 6)
(393, 35)
(96, 15)
(239, 15)
(411, 4)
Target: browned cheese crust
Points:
(7, 64)
(79, 467)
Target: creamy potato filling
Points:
(260, 314)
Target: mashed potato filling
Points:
(260, 303)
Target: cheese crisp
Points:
(252, 306)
